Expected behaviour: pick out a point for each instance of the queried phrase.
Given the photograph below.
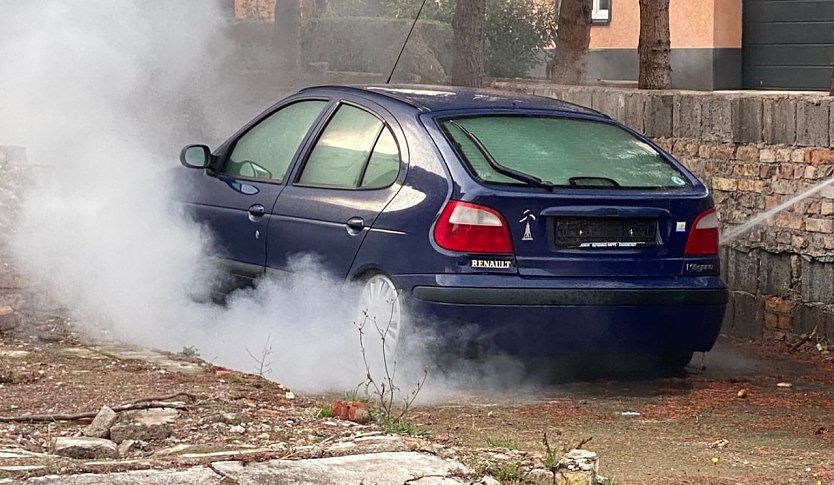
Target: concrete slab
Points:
(192, 476)
(377, 468)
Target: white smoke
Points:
(101, 93)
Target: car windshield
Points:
(560, 152)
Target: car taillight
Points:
(471, 228)
(703, 239)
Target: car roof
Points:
(444, 98)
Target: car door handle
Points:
(355, 225)
(256, 212)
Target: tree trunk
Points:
(573, 37)
(654, 47)
(469, 26)
(287, 37)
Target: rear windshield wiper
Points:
(593, 182)
(506, 171)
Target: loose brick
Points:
(826, 208)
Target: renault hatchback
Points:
(524, 224)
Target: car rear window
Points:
(560, 151)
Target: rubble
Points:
(538, 476)
(8, 319)
(84, 448)
(579, 460)
(100, 427)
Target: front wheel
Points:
(381, 320)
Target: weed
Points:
(263, 365)
(402, 426)
(324, 412)
(189, 351)
(505, 472)
(236, 380)
(357, 395)
(551, 459)
(384, 389)
(502, 442)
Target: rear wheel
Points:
(677, 359)
(381, 319)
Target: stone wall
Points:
(12, 164)
(755, 150)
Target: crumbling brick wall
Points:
(754, 150)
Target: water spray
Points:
(738, 231)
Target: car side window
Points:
(355, 149)
(267, 150)
(384, 164)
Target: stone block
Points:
(779, 121)
(809, 317)
(635, 107)
(817, 282)
(686, 116)
(743, 271)
(749, 126)
(727, 321)
(658, 116)
(717, 118)
(8, 319)
(612, 103)
(812, 123)
(748, 315)
(100, 427)
(776, 275)
(85, 448)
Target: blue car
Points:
(520, 224)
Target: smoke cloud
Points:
(104, 94)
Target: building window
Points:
(602, 12)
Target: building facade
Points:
(724, 44)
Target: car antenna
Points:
(414, 24)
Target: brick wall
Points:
(755, 150)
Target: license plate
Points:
(605, 232)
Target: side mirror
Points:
(195, 156)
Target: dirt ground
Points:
(646, 428)
(773, 435)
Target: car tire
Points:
(676, 360)
(382, 321)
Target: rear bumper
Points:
(569, 297)
(548, 317)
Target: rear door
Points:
(618, 207)
(349, 175)
(236, 200)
